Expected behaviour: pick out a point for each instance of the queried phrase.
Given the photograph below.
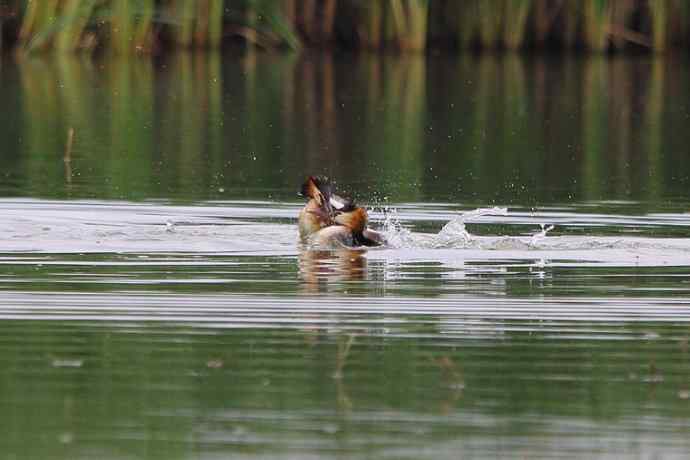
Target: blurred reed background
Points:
(151, 26)
(193, 126)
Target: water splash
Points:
(538, 237)
(454, 234)
(396, 234)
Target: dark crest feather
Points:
(321, 183)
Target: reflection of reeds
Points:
(659, 13)
(183, 12)
(215, 116)
(410, 19)
(74, 95)
(373, 14)
(177, 129)
(515, 151)
(40, 104)
(514, 21)
(619, 108)
(131, 142)
(595, 23)
(467, 22)
(398, 132)
(654, 125)
(489, 23)
(594, 132)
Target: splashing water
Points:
(396, 234)
(454, 234)
(536, 238)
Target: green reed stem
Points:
(373, 19)
(75, 15)
(184, 14)
(468, 24)
(659, 15)
(143, 32)
(215, 26)
(130, 25)
(515, 13)
(38, 30)
(595, 16)
(417, 22)
(490, 24)
(121, 26)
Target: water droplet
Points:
(67, 362)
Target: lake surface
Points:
(533, 301)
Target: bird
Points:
(329, 220)
(318, 212)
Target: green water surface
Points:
(407, 352)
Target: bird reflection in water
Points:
(323, 270)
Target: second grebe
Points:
(350, 229)
(329, 220)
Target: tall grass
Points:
(125, 26)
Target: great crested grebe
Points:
(318, 212)
(330, 220)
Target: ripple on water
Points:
(147, 325)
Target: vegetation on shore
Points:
(152, 26)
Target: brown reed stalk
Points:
(417, 14)
(658, 10)
(515, 14)
(143, 31)
(403, 24)
(308, 18)
(328, 10)
(371, 35)
(215, 26)
(489, 24)
(596, 16)
(74, 17)
(121, 26)
(38, 22)
(201, 23)
(184, 14)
